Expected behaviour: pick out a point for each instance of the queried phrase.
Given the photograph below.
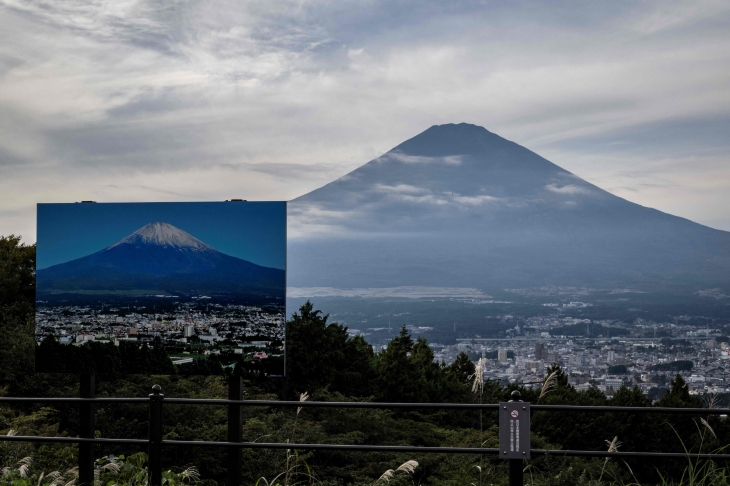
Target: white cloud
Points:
(316, 220)
(422, 195)
(401, 189)
(185, 97)
(418, 159)
(354, 54)
(475, 200)
(677, 14)
(567, 189)
(425, 199)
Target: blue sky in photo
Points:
(252, 231)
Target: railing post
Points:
(515, 465)
(515, 472)
(154, 460)
(235, 433)
(87, 389)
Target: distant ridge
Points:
(459, 206)
(161, 257)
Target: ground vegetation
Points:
(326, 363)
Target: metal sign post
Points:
(514, 435)
(235, 431)
(86, 429)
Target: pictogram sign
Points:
(514, 430)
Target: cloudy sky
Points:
(122, 100)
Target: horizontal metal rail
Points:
(609, 409)
(233, 445)
(440, 406)
(676, 455)
(441, 450)
(71, 440)
(362, 447)
(73, 400)
(297, 404)
(447, 406)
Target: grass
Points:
(699, 472)
(108, 471)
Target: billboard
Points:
(160, 287)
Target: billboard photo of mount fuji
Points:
(159, 287)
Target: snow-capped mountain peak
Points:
(165, 235)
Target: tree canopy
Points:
(17, 304)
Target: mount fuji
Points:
(161, 257)
(459, 206)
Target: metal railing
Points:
(154, 443)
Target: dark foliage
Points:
(126, 358)
(17, 304)
(674, 366)
(618, 370)
(321, 354)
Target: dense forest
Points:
(326, 364)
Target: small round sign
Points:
(514, 413)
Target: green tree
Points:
(432, 377)
(633, 430)
(356, 377)
(160, 361)
(17, 273)
(461, 369)
(678, 395)
(17, 304)
(321, 354)
(399, 378)
(618, 370)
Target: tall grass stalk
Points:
(612, 447)
(408, 467)
(290, 472)
(478, 387)
(698, 472)
(550, 383)
(292, 469)
(109, 471)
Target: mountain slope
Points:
(161, 257)
(460, 206)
